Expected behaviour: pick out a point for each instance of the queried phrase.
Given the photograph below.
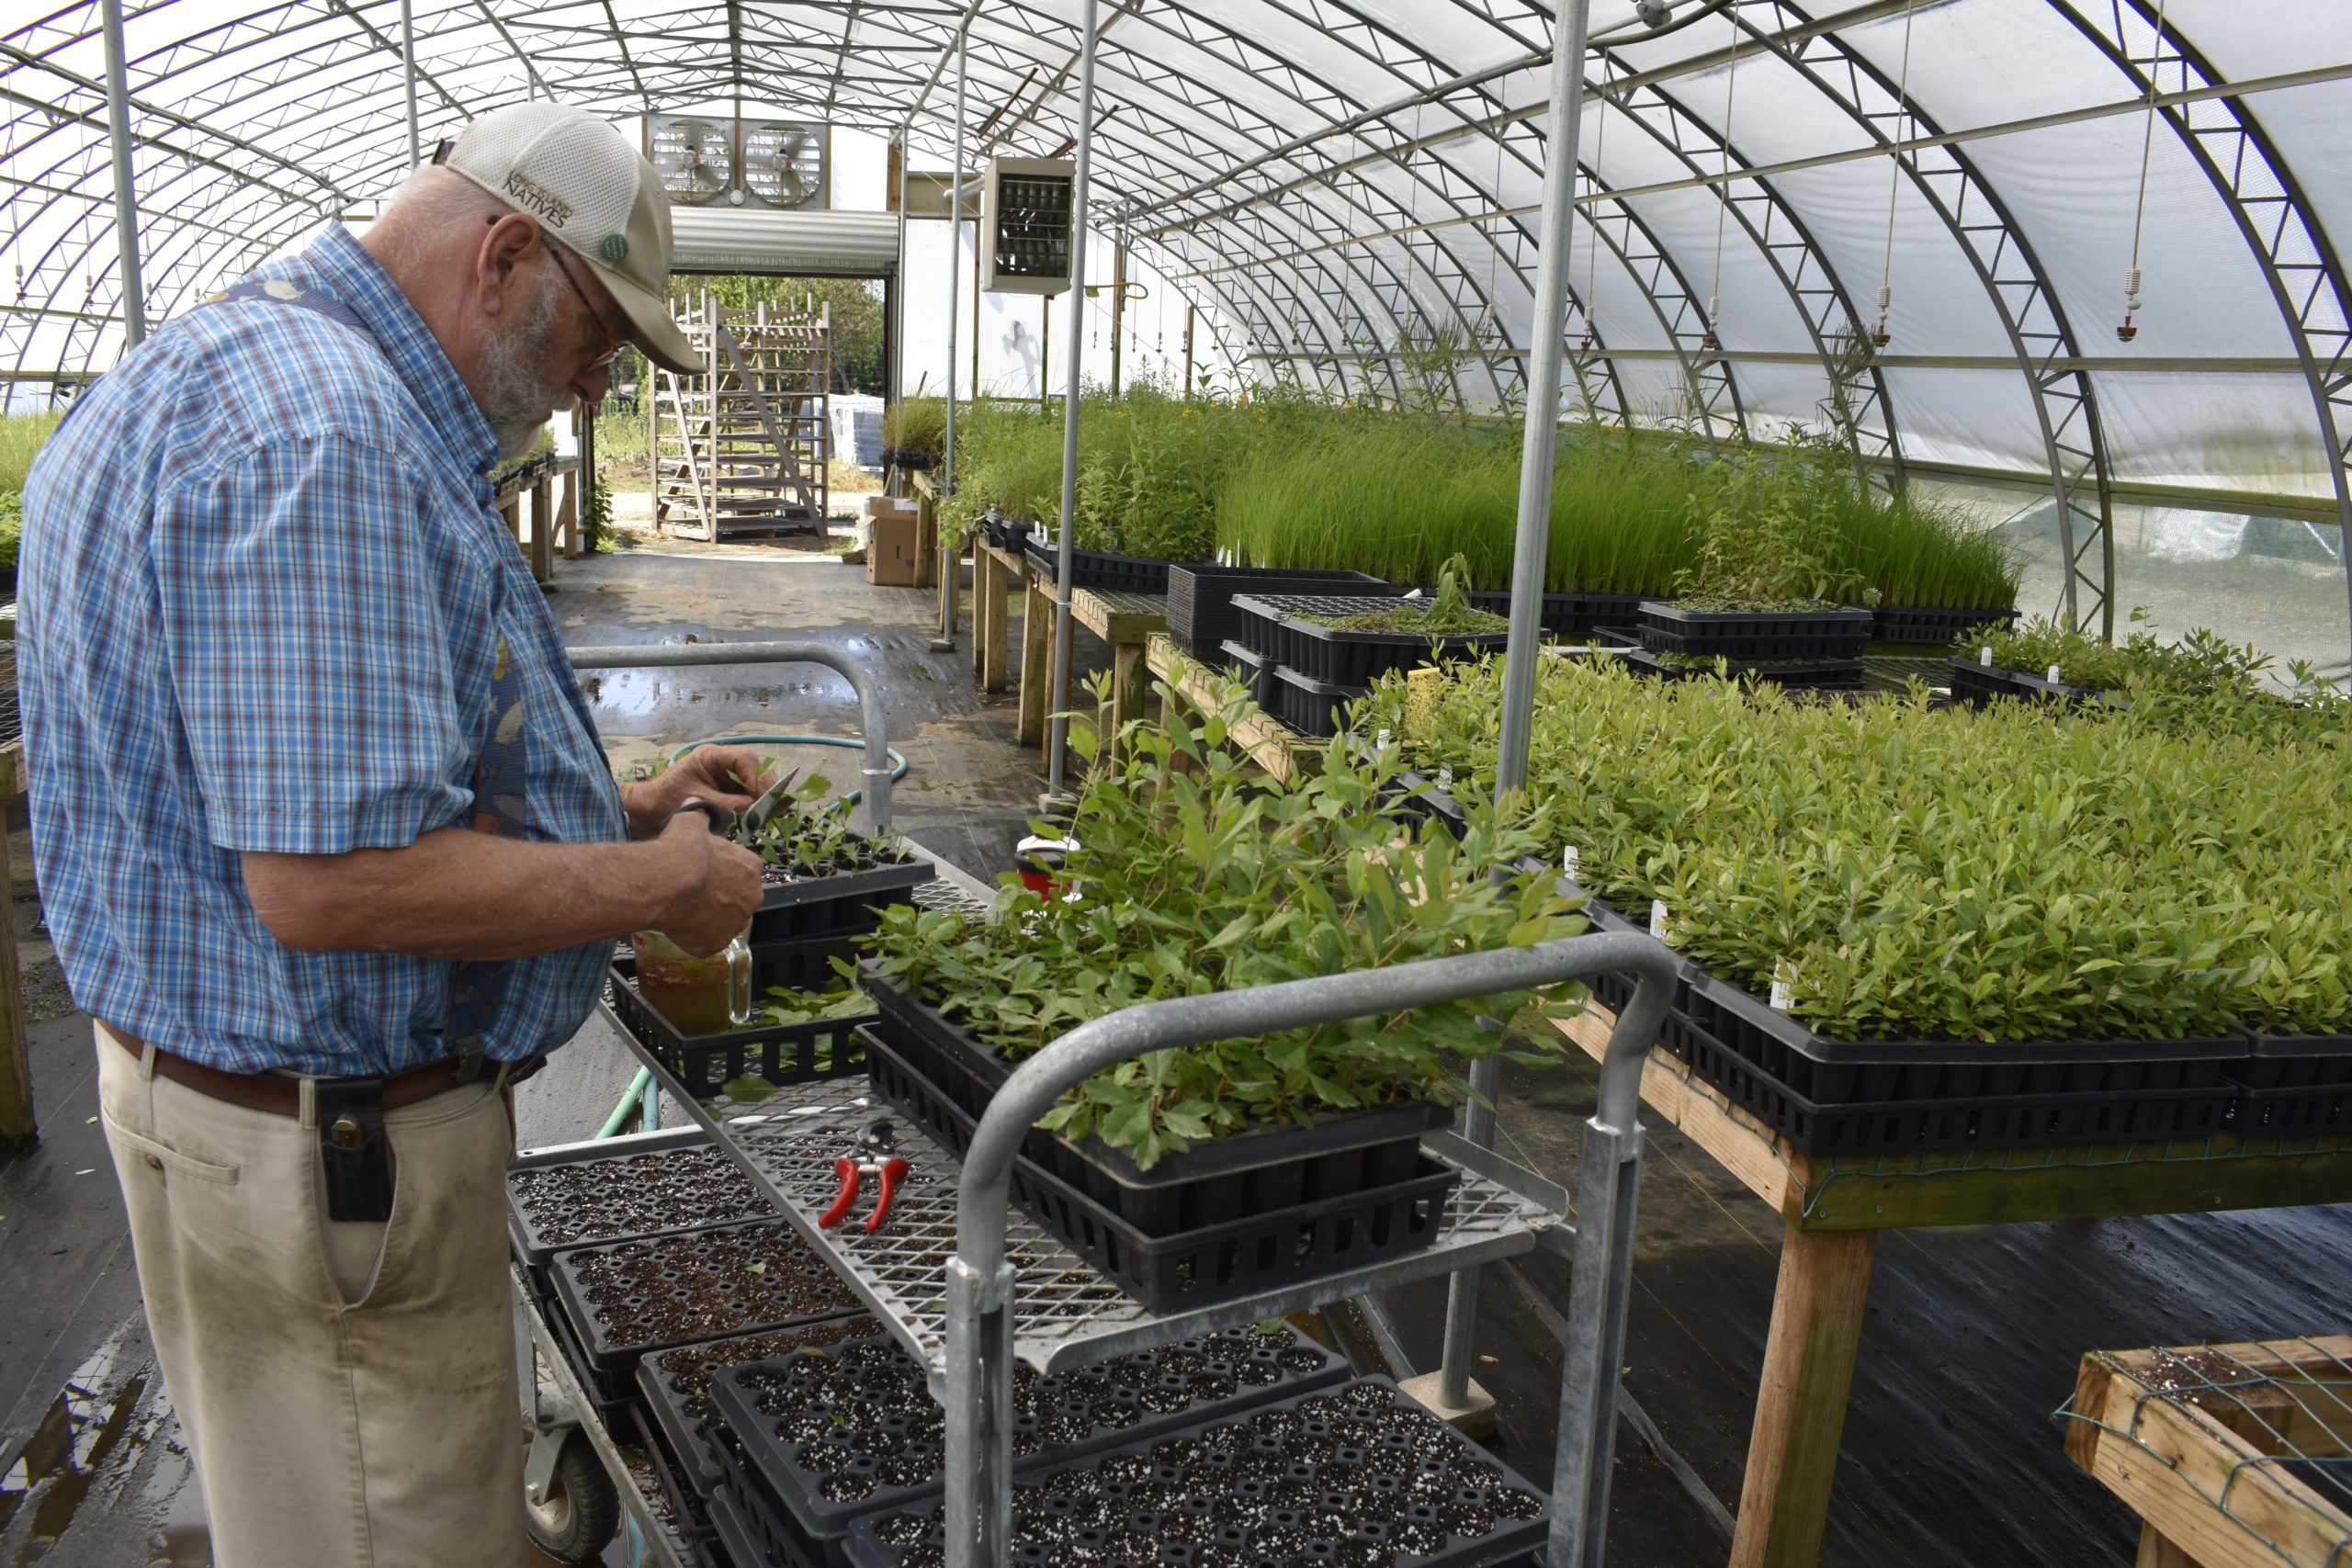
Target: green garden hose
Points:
(897, 761)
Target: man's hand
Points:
(719, 885)
(731, 777)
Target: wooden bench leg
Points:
(2156, 1552)
(996, 648)
(1801, 1406)
(1130, 685)
(1036, 654)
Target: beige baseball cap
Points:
(588, 187)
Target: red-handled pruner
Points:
(871, 1152)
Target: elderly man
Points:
(325, 836)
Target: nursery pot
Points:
(700, 995)
(1041, 862)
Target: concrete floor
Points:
(1951, 1457)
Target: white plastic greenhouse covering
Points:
(1340, 185)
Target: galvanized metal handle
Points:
(979, 1281)
(874, 806)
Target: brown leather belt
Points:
(283, 1096)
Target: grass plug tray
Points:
(587, 1196)
(826, 1436)
(1360, 1476)
(634, 1296)
(676, 1386)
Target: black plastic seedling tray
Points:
(1567, 616)
(1425, 801)
(1666, 628)
(2295, 1085)
(1201, 614)
(1257, 1251)
(824, 1436)
(1311, 708)
(627, 1299)
(1278, 625)
(676, 1386)
(1795, 675)
(779, 1054)
(1357, 1474)
(690, 1512)
(1254, 670)
(1263, 619)
(738, 1538)
(1922, 625)
(1249, 1173)
(2125, 1113)
(1836, 1072)
(1099, 568)
(845, 903)
(606, 1186)
(1976, 683)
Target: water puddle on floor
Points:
(82, 1463)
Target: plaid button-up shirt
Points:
(262, 590)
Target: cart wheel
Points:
(582, 1508)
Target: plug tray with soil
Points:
(1359, 1475)
(675, 1385)
(614, 1190)
(631, 1297)
(823, 1437)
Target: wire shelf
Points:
(1065, 1314)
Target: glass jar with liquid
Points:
(698, 996)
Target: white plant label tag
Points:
(1984, 656)
(1568, 862)
(1658, 918)
(1784, 986)
(2053, 676)
(1445, 781)
(1380, 743)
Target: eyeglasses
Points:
(613, 340)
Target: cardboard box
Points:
(890, 551)
(881, 506)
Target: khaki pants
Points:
(348, 1390)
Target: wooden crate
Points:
(2225, 1451)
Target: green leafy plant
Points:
(2200, 664)
(2009, 873)
(1199, 874)
(1449, 611)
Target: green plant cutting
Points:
(2016, 872)
(1199, 874)
(2201, 663)
(1448, 611)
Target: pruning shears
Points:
(872, 1151)
(743, 826)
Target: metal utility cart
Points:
(967, 1284)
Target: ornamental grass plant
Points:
(2016, 872)
(1199, 874)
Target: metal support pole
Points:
(408, 75)
(1536, 454)
(126, 207)
(874, 778)
(1057, 732)
(956, 258)
(978, 1350)
(1543, 430)
(1118, 308)
(1188, 351)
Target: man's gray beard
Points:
(514, 399)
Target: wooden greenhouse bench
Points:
(1269, 743)
(1124, 620)
(1833, 1209)
(2204, 1443)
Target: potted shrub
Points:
(1197, 875)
